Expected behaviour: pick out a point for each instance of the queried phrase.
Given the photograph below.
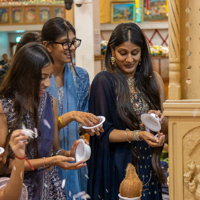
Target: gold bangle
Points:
(59, 118)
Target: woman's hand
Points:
(86, 119)
(64, 162)
(151, 139)
(74, 146)
(17, 142)
(92, 133)
(158, 114)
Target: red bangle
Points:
(26, 161)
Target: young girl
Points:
(70, 86)
(23, 101)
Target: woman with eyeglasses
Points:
(70, 86)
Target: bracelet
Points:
(136, 135)
(127, 136)
(44, 162)
(20, 158)
(80, 130)
(25, 158)
(58, 151)
(59, 118)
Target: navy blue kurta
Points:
(108, 161)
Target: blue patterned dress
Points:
(73, 96)
(47, 182)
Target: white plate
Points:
(151, 122)
(1, 150)
(102, 120)
(83, 151)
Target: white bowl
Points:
(1, 150)
(151, 122)
(126, 198)
(24, 194)
(102, 120)
(83, 151)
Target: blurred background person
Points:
(4, 59)
(26, 38)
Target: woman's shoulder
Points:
(81, 72)
(158, 79)
(103, 76)
(157, 76)
(105, 79)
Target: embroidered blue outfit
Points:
(73, 96)
(47, 183)
(108, 161)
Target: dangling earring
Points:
(112, 60)
(140, 62)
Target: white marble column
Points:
(87, 25)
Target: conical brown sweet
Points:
(131, 186)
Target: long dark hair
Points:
(145, 83)
(55, 28)
(22, 84)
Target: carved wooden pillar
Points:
(183, 106)
(174, 50)
(184, 148)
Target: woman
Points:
(70, 86)
(26, 38)
(126, 90)
(23, 100)
(17, 175)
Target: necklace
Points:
(130, 82)
(60, 92)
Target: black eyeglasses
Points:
(67, 45)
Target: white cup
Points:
(1, 150)
(83, 151)
(154, 115)
(102, 120)
(126, 198)
(151, 122)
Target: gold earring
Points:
(112, 60)
(140, 62)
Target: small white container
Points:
(24, 194)
(1, 150)
(151, 122)
(83, 151)
(102, 120)
(126, 198)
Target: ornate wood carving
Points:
(191, 163)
